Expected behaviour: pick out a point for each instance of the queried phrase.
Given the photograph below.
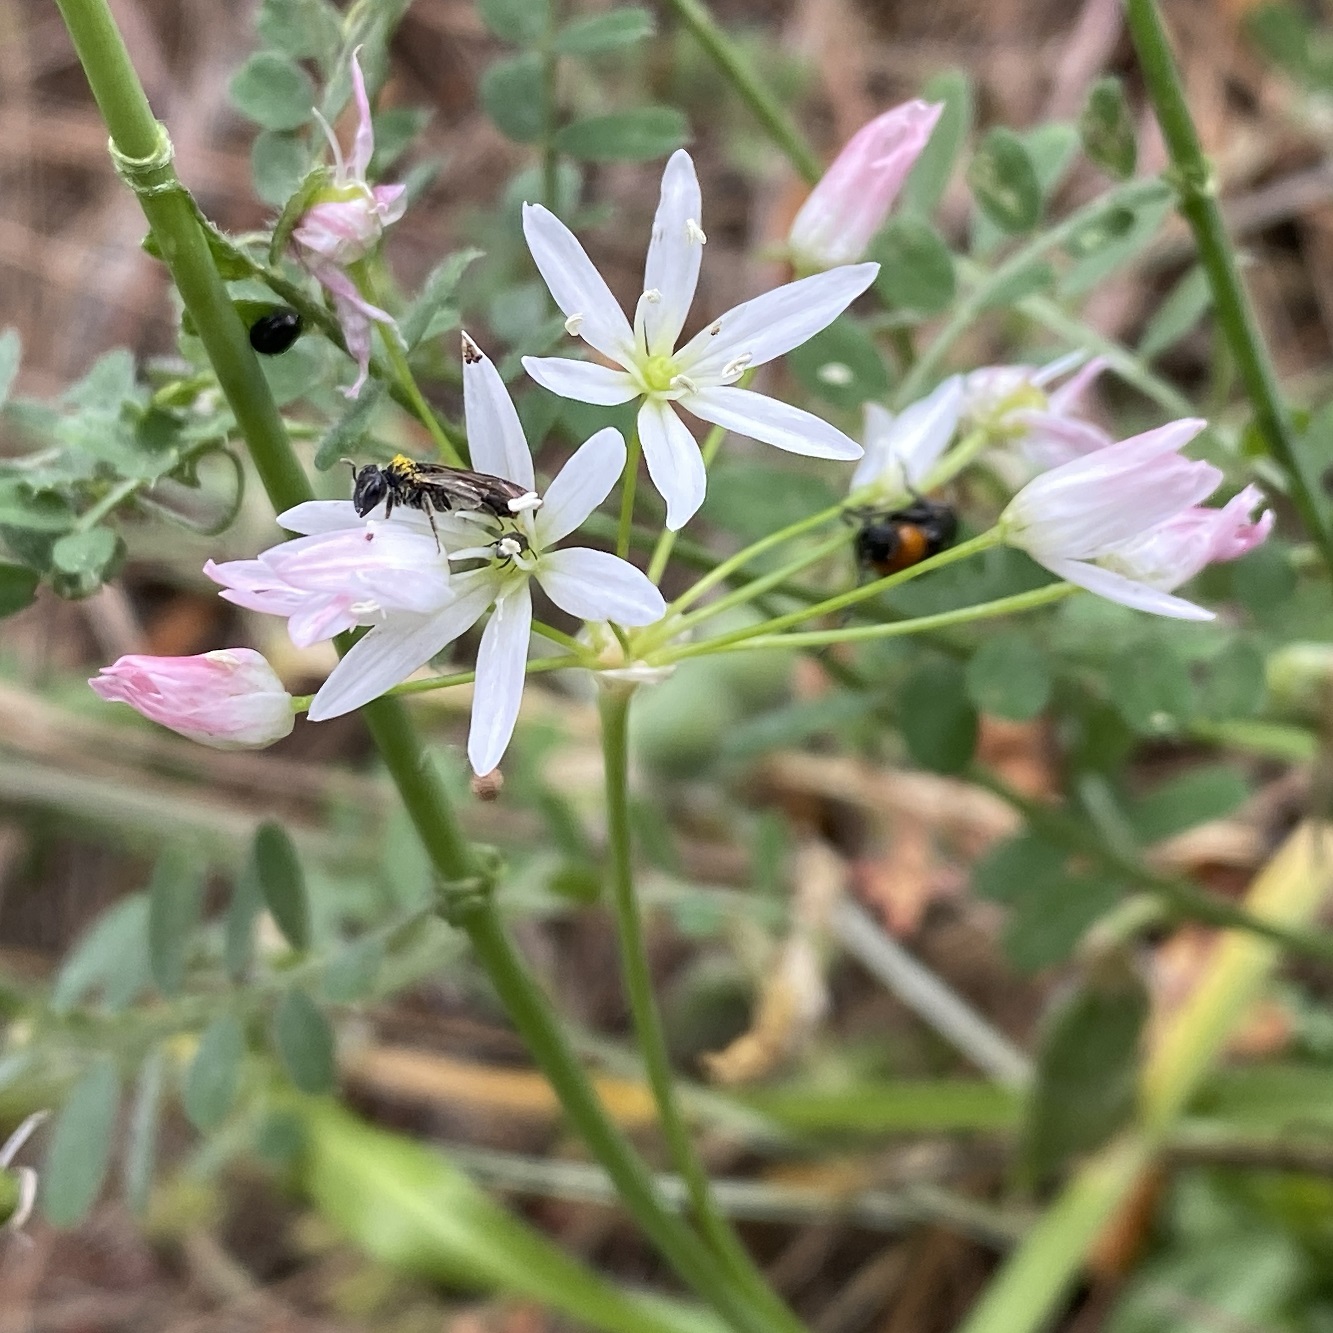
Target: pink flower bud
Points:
(336, 580)
(850, 203)
(231, 699)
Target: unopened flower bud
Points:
(231, 699)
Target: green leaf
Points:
(750, 498)
(318, 178)
(112, 955)
(215, 1073)
(1121, 244)
(304, 1042)
(626, 136)
(1031, 278)
(1022, 865)
(395, 131)
(1107, 129)
(85, 554)
(413, 1210)
(1008, 677)
(247, 900)
(278, 163)
(351, 973)
(934, 167)
(915, 266)
(523, 22)
(302, 29)
(18, 588)
(10, 352)
(141, 1146)
(936, 718)
(1004, 181)
(1234, 685)
(1263, 580)
(594, 33)
(841, 365)
(344, 437)
(175, 901)
(282, 882)
(80, 1147)
(513, 95)
(273, 91)
(1050, 148)
(1086, 1079)
(438, 289)
(1181, 309)
(1151, 688)
(1211, 792)
(1044, 929)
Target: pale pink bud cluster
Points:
(231, 699)
(849, 205)
(344, 225)
(1125, 522)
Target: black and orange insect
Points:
(891, 540)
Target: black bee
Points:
(434, 488)
(898, 539)
(275, 332)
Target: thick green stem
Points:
(614, 702)
(629, 484)
(1196, 194)
(736, 69)
(144, 158)
(1130, 196)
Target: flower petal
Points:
(583, 381)
(674, 255)
(494, 432)
(762, 418)
(674, 462)
(391, 652)
(596, 585)
(316, 516)
(502, 663)
(901, 451)
(1117, 588)
(580, 486)
(773, 323)
(363, 146)
(576, 286)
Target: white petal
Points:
(674, 254)
(674, 462)
(775, 322)
(1117, 588)
(580, 486)
(494, 434)
(501, 666)
(576, 285)
(908, 446)
(583, 381)
(762, 418)
(391, 652)
(877, 434)
(318, 516)
(596, 585)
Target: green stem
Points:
(407, 382)
(628, 487)
(614, 702)
(762, 639)
(1129, 196)
(1196, 196)
(173, 218)
(770, 629)
(736, 69)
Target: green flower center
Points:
(658, 372)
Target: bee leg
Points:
(435, 532)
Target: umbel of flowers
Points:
(1123, 520)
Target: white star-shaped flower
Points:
(499, 557)
(701, 376)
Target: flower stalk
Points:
(144, 159)
(1196, 196)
